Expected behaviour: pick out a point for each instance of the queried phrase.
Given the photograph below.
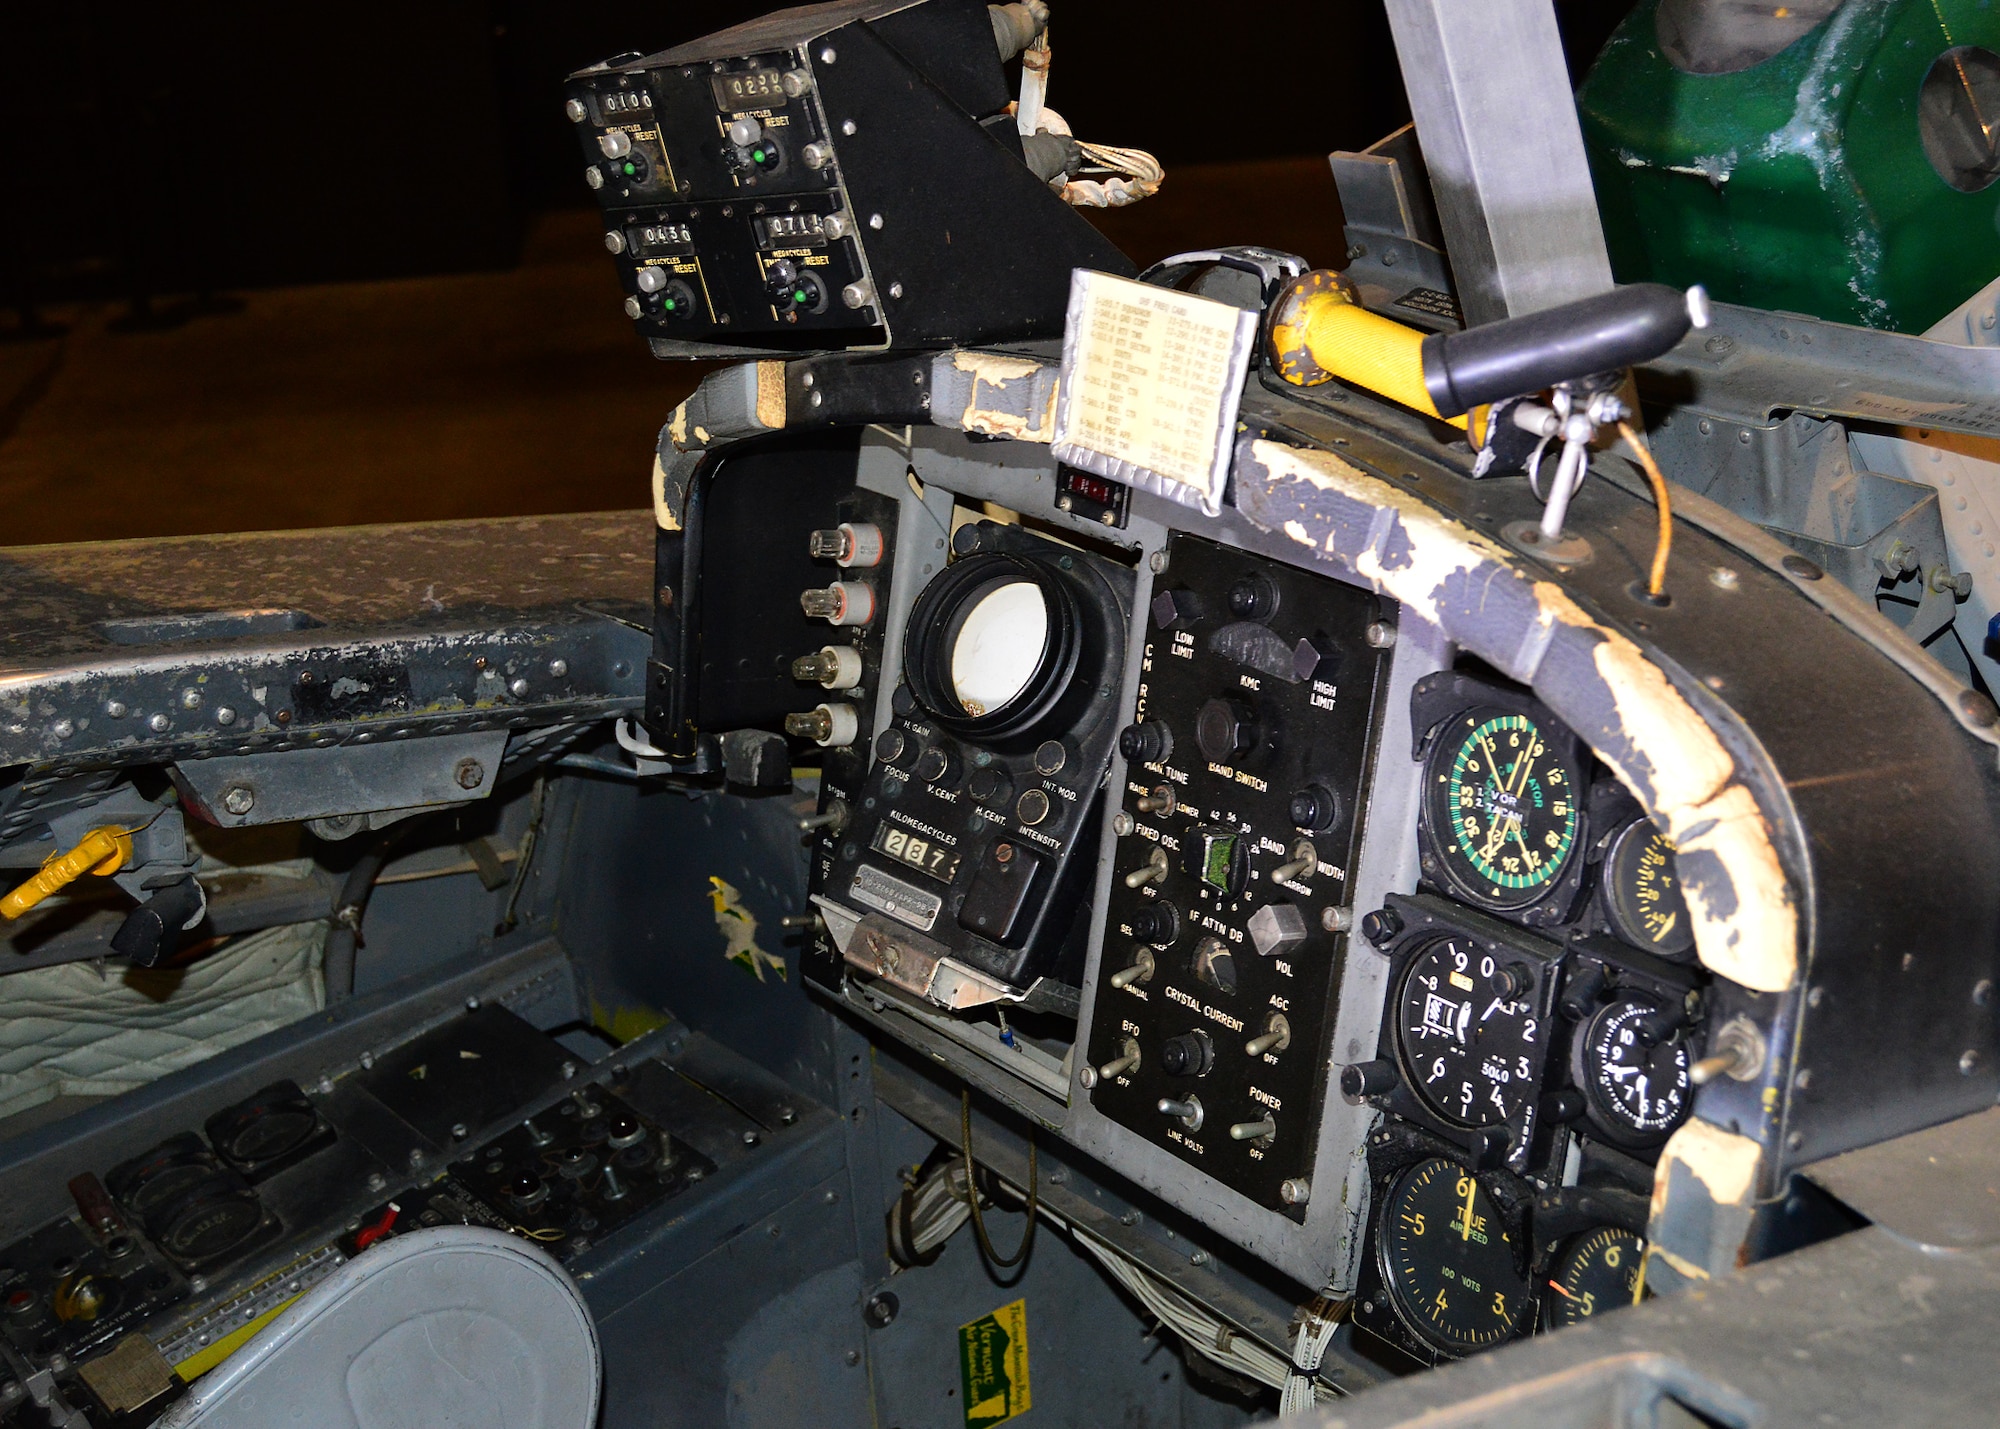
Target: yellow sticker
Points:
(993, 1366)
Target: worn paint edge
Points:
(1744, 921)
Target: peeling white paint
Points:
(1724, 1163)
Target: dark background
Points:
(153, 147)
(280, 266)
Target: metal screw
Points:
(518, 689)
(1969, 1063)
(1295, 1191)
(469, 774)
(458, 1131)
(190, 699)
(159, 723)
(854, 1357)
(751, 1138)
(1815, 997)
(1795, 1140)
(239, 799)
(1723, 578)
(875, 221)
(367, 1060)
(1122, 824)
(1381, 634)
(1336, 920)
(881, 1309)
(115, 709)
(826, 56)
(1200, 1257)
(895, 290)
(1982, 992)
(1803, 1079)
(1130, 1218)
(416, 1157)
(558, 668)
(63, 728)
(847, 126)
(224, 715)
(1157, 563)
(575, 110)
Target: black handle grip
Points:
(1516, 356)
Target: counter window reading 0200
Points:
(916, 851)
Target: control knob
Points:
(1225, 729)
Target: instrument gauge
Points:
(1500, 808)
(1470, 1035)
(1596, 1272)
(1637, 1086)
(1642, 892)
(1448, 1260)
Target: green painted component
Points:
(1800, 183)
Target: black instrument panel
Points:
(1240, 820)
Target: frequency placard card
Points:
(1151, 378)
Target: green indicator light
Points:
(758, 155)
(669, 304)
(798, 295)
(630, 169)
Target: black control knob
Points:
(1157, 923)
(989, 786)
(1315, 808)
(939, 765)
(1381, 927)
(1359, 1080)
(1148, 743)
(1581, 993)
(1225, 728)
(1564, 1107)
(895, 748)
(1253, 597)
(1187, 1055)
(1176, 609)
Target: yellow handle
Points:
(1320, 331)
(103, 851)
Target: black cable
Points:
(972, 1190)
(342, 942)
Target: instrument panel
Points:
(1237, 830)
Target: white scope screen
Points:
(999, 646)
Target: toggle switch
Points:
(1304, 861)
(1276, 1036)
(1139, 970)
(1127, 1061)
(1153, 870)
(1159, 801)
(1187, 1111)
(1265, 1129)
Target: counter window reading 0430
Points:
(918, 852)
(748, 89)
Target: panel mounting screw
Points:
(239, 799)
(469, 774)
(558, 668)
(1295, 1191)
(159, 723)
(225, 715)
(63, 728)
(1723, 578)
(1381, 635)
(882, 1309)
(1157, 563)
(827, 56)
(115, 709)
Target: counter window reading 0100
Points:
(918, 852)
(748, 89)
(790, 230)
(625, 104)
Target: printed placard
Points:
(1151, 379)
(993, 1366)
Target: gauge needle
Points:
(1471, 1188)
(1560, 1291)
(1487, 1015)
(1464, 1017)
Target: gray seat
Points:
(454, 1328)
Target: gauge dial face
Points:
(1636, 1092)
(1449, 1261)
(999, 646)
(1596, 1272)
(1642, 891)
(1501, 805)
(1470, 1035)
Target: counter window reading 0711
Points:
(918, 852)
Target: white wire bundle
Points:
(938, 1207)
(1316, 1326)
(1138, 174)
(1202, 1332)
